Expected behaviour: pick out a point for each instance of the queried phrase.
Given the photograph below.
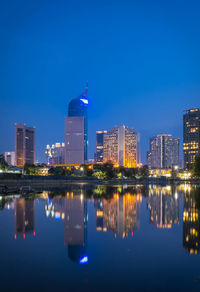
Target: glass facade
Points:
(164, 152)
(78, 107)
(191, 136)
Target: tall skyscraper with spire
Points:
(76, 130)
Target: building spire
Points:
(86, 89)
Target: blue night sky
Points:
(141, 60)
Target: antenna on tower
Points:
(86, 88)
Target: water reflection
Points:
(73, 210)
(117, 210)
(119, 214)
(191, 221)
(163, 204)
(24, 217)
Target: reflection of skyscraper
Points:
(164, 207)
(76, 130)
(73, 210)
(76, 228)
(119, 214)
(24, 217)
(191, 224)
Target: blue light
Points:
(84, 100)
(83, 260)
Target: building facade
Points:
(24, 145)
(10, 157)
(98, 156)
(120, 146)
(55, 154)
(191, 136)
(76, 130)
(164, 152)
(74, 140)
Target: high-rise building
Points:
(120, 146)
(76, 126)
(98, 156)
(24, 145)
(55, 154)
(74, 140)
(164, 152)
(10, 157)
(191, 136)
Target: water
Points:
(102, 239)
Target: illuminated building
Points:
(164, 152)
(76, 130)
(10, 158)
(164, 207)
(120, 146)
(24, 217)
(191, 136)
(24, 145)
(119, 214)
(55, 154)
(98, 156)
(191, 224)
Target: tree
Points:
(3, 163)
(144, 171)
(196, 167)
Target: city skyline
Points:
(142, 67)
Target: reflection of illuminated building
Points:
(191, 225)
(24, 217)
(164, 207)
(76, 228)
(119, 214)
(73, 210)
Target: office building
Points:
(76, 130)
(120, 146)
(55, 154)
(98, 156)
(10, 157)
(191, 136)
(24, 145)
(164, 152)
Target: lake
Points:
(101, 238)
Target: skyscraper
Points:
(98, 156)
(76, 130)
(164, 152)
(24, 145)
(120, 146)
(191, 136)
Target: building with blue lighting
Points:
(76, 130)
